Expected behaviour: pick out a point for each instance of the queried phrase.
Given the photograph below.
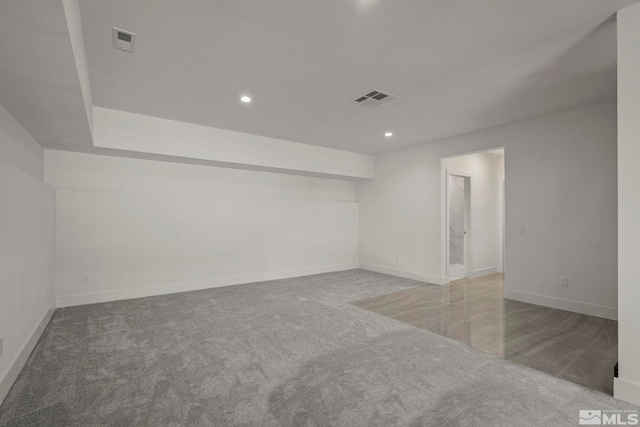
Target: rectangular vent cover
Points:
(124, 40)
(374, 98)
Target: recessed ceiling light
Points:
(388, 134)
(245, 99)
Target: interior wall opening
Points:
(474, 206)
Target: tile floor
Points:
(576, 347)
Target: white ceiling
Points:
(457, 65)
(40, 82)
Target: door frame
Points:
(467, 220)
(501, 225)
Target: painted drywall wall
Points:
(138, 227)
(627, 385)
(74, 24)
(560, 185)
(121, 130)
(18, 148)
(27, 224)
(484, 169)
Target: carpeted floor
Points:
(289, 352)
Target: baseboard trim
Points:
(484, 272)
(435, 280)
(563, 304)
(626, 390)
(11, 375)
(172, 288)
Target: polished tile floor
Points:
(576, 347)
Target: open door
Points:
(458, 224)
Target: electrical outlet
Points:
(0, 346)
(397, 258)
(266, 263)
(521, 229)
(84, 279)
(564, 282)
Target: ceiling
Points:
(41, 84)
(457, 65)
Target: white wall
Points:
(74, 24)
(120, 130)
(27, 221)
(627, 386)
(18, 148)
(485, 169)
(140, 227)
(560, 185)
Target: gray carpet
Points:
(288, 352)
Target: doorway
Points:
(458, 224)
(473, 202)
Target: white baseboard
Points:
(626, 390)
(563, 304)
(484, 271)
(21, 358)
(435, 280)
(171, 288)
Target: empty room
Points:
(329, 213)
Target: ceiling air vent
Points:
(374, 99)
(124, 40)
